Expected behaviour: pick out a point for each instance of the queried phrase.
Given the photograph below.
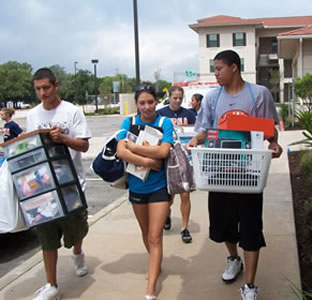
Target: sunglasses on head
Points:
(145, 87)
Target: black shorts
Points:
(157, 196)
(236, 218)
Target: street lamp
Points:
(75, 81)
(136, 43)
(75, 66)
(95, 61)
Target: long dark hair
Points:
(198, 97)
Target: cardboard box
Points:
(151, 135)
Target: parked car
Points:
(22, 105)
(189, 91)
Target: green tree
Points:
(16, 81)
(303, 89)
(64, 80)
(126, 85)
(162, 84)
(106, 85)
(83, 85)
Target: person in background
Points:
(149, 198)
(68, 126)
(10, 129)
(196, 102)
(179, 116)
(236, 218)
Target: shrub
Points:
(104, 111)
(284, 111)
(306, 165)
(303, 89)
(305, 120)
(308, 210)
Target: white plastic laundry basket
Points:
(231, 170)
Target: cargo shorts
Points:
(73, 228)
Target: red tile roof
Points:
(222, 20)
(270, 22)
(301, 31)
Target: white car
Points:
(23, 105)
(188, 93)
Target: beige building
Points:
(273, 51)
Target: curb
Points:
(37, 258)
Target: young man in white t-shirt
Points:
(236, 218)
(68, 126)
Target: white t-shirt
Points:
(73, 122)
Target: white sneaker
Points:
(249, 293)
(81, 268)
(48, 292)
(233, 267)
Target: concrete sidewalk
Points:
(117, 259)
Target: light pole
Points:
(136, 43)
(75, 80)
(95, 61)
(75, 66)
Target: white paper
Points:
(152, 136)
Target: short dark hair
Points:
(146, 87)
(45, 73)
(229, 57)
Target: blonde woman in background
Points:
(10, 129)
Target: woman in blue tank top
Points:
(149, 198)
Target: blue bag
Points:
(107, 165)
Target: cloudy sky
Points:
(44, 33)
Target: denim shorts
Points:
(161, 195)
(73, 228)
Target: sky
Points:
(45, 33)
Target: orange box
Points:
(241, 122)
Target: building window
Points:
(242, 65)
(211, 66)
(288, 68)
(213, 40)
(274, 46)
(239, 39)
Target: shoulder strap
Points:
(218, 96)
(215, 104)
(252, 96)
(161, 121)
